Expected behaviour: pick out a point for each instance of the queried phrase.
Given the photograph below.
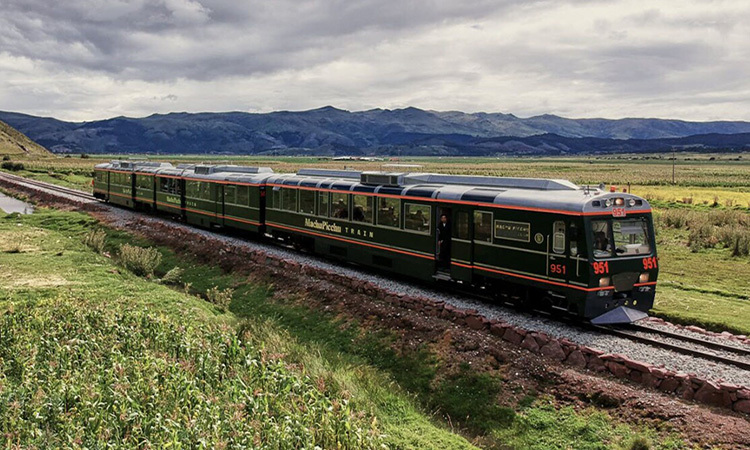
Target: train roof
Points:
(523, 193)
(235, 173)
(527, 193)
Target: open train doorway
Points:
(444, 238)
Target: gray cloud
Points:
(88, 59)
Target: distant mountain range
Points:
(332, 131)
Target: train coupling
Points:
(621, 314)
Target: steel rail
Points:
(48, 186)
(632, 335)
(695, 340)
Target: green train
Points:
(536, 242)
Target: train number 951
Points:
(650, 263)
(601, 267)
(557, 268)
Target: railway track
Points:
(47, 186)
(674, 342)
(713, 351)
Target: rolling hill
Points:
(14, 143)
(332, 131)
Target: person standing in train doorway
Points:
(444, 243)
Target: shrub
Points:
(10, 165)
(702, 235)
(84, 156)
(96, 240)
(639, 443)
(674, 218)
(740, 244)
(220, 298)
(6, 158)
(141, 261)
(173, 276)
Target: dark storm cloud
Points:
(200, 40)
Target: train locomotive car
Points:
(536, 242)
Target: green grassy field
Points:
(706, 286)
(93, 355)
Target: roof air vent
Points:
(203, 170)
(381, 178)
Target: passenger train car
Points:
(537, 242)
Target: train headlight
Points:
(603, 281)
(608, 203)
(631, 202)
(619, 202)
(643, 278)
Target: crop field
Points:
(92, 355)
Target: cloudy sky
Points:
(93, 59)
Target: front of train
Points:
(623, 263)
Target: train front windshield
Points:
(620, 237)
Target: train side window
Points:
(289, 199)
(323, 204)
(601, 242)
(462, 225)
(169, 185)
(205, 192)
(483, 226)
(417, 217)
(362, 211)
(558, 237)
(389, 212)
(230, 194)
(192, 189)
(243, 195)
(339, 205)
(573, 236)
(143, 181)
(307, 202)
(276, 198)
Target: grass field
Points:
(93, 355)
(706, 286)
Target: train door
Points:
(131, 176)
(108, 184)
(221, 207)
(461, 247)
(443, 240)
(217, 194)
(558, 262)
(183, 205)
